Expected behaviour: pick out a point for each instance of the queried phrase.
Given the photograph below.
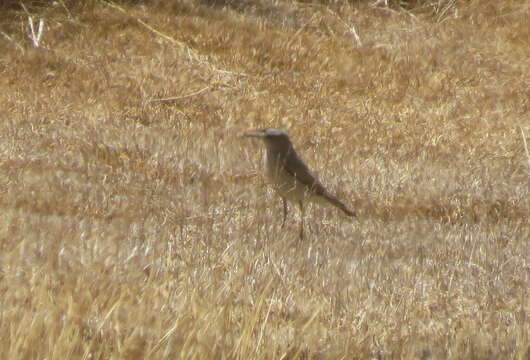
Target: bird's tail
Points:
(332, 199)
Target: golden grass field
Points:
(134, 226)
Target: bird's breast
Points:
(281, 180)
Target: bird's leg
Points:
(301, 220)
(284, 211)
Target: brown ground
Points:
(134, 228)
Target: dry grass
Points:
(137, 229)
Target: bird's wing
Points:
(300, 171)
(305, 176)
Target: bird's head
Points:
(274, 137)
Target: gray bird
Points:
(290, 176)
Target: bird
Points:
(290, 176)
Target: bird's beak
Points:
(252, 134)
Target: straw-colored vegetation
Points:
(133, 226)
